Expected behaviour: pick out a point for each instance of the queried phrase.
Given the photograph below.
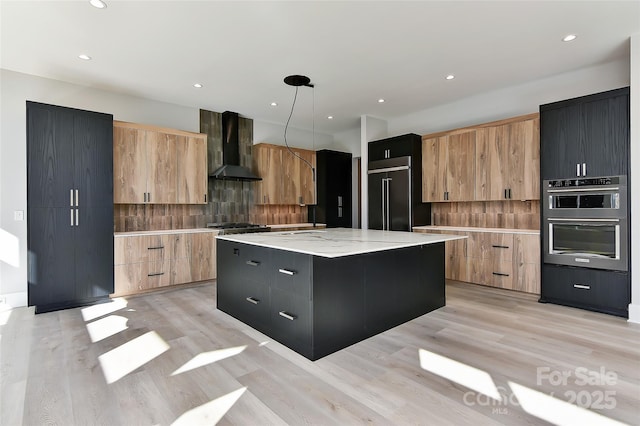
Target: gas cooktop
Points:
(238, 227)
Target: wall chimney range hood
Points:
(231, 169)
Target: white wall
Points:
(634, 307)
(514, 100)
(273, 133)
(371, 129)
(15, 90)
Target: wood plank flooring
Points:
(218, 370)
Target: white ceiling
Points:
(354, 51)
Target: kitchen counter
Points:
(319, 291)
(164, 232)
(476, 229)
(338, 242)
(295, 226)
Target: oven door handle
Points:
(562, 219)
(601, 189)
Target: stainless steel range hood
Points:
(231, 168)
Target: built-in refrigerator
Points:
(394, 200)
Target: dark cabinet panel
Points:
(586, 136)
(333, 179)
(70, 206)
(51, 254)
(397, 146)
(598, 290)
(50, 180)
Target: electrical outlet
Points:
(18, 215)
(3, 300)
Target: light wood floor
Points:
(488, 339)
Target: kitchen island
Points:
(319, 291)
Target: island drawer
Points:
(290, 318)
(252, 303)
(291, 272)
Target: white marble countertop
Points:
(296, 225)
(337, 242)
(476, 229)
(164, 232)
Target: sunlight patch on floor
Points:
(106, 327)
(211, 412)
(556, 411)
(206, 358)
(95, 311)
(127, 357)
(465, 375)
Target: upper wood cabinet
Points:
(286, 178)
(492, 161)
(508, 161)
(158, 166)
(448, 164)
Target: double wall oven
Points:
(585, 222)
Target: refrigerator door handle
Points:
(388, 196)
(384, 223)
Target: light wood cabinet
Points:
(509, 260)
(508, 161)
(158, 166)
(286, 176)
(146, 262)
(492, 161)
(448, 167)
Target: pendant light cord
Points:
(286, 127)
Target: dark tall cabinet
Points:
(333, 180)
(70, 206)
(586, 137)
(407, 146)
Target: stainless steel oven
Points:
(585, 222)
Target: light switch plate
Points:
(18, 215)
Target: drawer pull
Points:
(252, 300)
(500, 274)
(582, 286)
(155, 274)
(287, 316)
(252, 263)
(155, 248)
(286, 272)
(505, 247)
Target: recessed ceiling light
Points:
(274, 104)
(380, 100)
(330, 117)
(197, 85)
(98, 3)
(570, 37)
(84, 57)
(450, 77)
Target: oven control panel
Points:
(574, 183)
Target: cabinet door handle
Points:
(500, 274)
(77, 217)
(582, 286)
(155, 248)
(509, 193)
(205, 198)
(155, 274)
(505, 247)
(287, 316)
(584, 169)
(286, 272)
(71, 197)
(252, 263)
(577, 169)
(145, 197)
(148, 196)
(77, 198)
(252, 300)
(505, 193)
(71, 217)
(339, 211)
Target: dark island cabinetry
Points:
(317, 305)
(70, 206)
(586, 136)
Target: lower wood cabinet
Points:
(508, 260)
(149, 261)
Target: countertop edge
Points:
(477, 229)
